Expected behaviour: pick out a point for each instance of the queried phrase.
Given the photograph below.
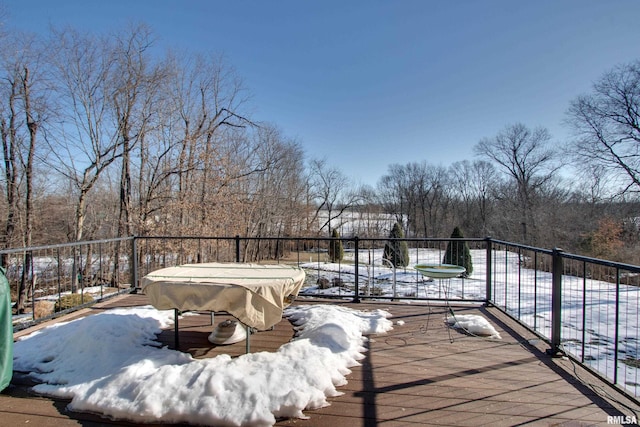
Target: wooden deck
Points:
(420, 373)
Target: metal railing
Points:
(585, 308)
(92, 271)
(362, 273)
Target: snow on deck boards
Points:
(421, 373)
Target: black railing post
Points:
(134, 262)
(237, 248)
(556, 302)
(488, 295)
(356, 261)
(616, 335)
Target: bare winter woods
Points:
(105, 136)
(102, 136)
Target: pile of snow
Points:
(473, 324)
(111, 364)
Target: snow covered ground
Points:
(377, 278)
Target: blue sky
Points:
(371, 83)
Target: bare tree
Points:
(485, 180)
(207, 97)
(134, 80)
(274, 191)
(393, 193)
(157, 169)
(606, 125)
(528, 158)
(9, 124)
(32, 123)
(86, 142)
(373, 219)
(418, 194)
(474, 184)
(431, 190)
(25, 94)
(332, 192)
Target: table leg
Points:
(176, 340)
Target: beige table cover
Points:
(254, 294)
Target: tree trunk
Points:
(27, 281)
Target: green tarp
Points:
(6, 333)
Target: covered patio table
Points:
(255, 294)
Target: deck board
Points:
(420, 373)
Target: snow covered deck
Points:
(420, 373)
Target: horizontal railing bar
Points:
(598, 261)
(64, 245)
(521, 246)
(378, 239)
